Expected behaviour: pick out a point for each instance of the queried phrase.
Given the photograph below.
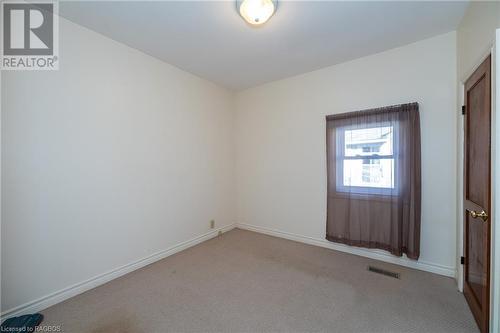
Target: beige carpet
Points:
(248, 282)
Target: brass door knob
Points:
(482, 215)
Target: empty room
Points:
(250, 166)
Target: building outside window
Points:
(367, 161)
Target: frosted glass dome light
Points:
(256, 12)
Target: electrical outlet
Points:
(212, 224)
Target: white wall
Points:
(475, 40)
(476, 35)
(280, 130)
(112, 158)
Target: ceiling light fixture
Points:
(256, 12)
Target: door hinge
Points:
(462, 260)
(463, 109)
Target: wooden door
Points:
(477, 197)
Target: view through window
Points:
(368, 160)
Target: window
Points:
(373, 179)
(365, 161)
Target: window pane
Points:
(369, 141)
(369, 172)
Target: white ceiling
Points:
(210, 40)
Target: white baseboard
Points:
(71, 291)
(369, 253)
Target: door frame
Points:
(495, 195)
(494, 317)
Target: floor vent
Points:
(383, 272)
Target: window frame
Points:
(341, 157)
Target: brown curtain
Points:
(373, 161)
